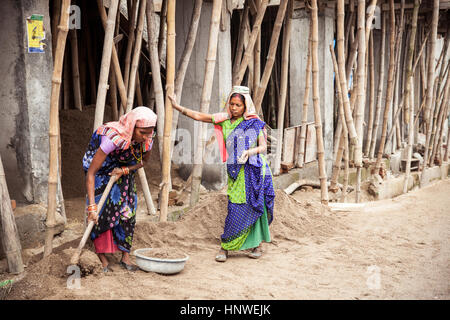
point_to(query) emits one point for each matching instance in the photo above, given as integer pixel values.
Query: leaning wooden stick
(76, 256)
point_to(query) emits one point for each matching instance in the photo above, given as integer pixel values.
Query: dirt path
(393, 249)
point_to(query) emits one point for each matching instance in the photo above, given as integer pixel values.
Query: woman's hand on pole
(118, 172)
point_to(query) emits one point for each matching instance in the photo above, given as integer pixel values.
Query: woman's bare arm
(199, 116)
(96, 164)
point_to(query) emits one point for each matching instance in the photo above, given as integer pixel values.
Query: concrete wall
(24, 101)
(214, 175)
(297, 69)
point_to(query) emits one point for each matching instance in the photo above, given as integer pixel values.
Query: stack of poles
(426, 114)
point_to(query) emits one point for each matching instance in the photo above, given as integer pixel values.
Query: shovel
(76, 256)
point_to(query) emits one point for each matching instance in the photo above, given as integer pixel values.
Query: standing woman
(117, 148)
(242, 142)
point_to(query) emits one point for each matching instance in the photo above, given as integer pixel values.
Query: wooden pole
(131, 38)
(115, 61)
(136, 55)
(75, 70)
(430, 78)
(249, 50)
(240, 43)
(162, 28)
(302, 139)
(372, 98)
(259, 94)
(10, 235)
(379, 90)
(257, 57)
(205, 99)
(316, 101)
(156, 74)
(66, 82)
(436, 99)
(76, 255)
(344, 134)
(283, 85)
(361, 93)
(170, 82)
(440, 119)
(108, 47)
(53, 176)
(390, 85)
(342, 77)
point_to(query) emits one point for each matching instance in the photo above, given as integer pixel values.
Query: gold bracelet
(184, 111)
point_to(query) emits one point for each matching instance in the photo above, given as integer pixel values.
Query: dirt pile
(204, 223)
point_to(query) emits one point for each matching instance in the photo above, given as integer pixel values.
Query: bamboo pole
(343, 139)
(53, 176)
(259, 94)
(283, 85)
(131, 93)
(437, 100)
(249, 50)
(131, 39)
(184, 62)
(205, 99)
(316, 102)
(10, 235)
(156, 74)
(398, 52)
(136, 55)
(76, 255)
(240, 43)
(430, 78)
(409, 97)
(113, 95)
(139, 99)
(170, 82)
(361, 96)
(409, 60)
(75, 70)
(257, 56)
(66, 82)
(372, 97)
(390, 85)
(162, 27)
(108, 46)
(342, 74)
(115, 61)
(302, 139)
(54, 25)
(440, 119)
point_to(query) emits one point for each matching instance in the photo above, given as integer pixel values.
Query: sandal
(128, 267)
(222, 256)
(256, 253)
(107, 269)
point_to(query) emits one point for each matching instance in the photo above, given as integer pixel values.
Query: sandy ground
(392, 249)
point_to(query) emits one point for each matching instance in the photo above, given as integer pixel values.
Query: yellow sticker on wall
(36, 33)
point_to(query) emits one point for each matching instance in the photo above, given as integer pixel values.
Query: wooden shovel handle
(76, 255)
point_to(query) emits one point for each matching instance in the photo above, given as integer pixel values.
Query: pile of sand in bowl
(164, 253)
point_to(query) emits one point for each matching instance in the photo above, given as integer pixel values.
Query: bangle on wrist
(125, 170)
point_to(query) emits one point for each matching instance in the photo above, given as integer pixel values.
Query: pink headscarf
(121, 132)
(250, 113)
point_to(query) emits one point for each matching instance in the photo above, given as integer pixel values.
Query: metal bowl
(164, 266)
